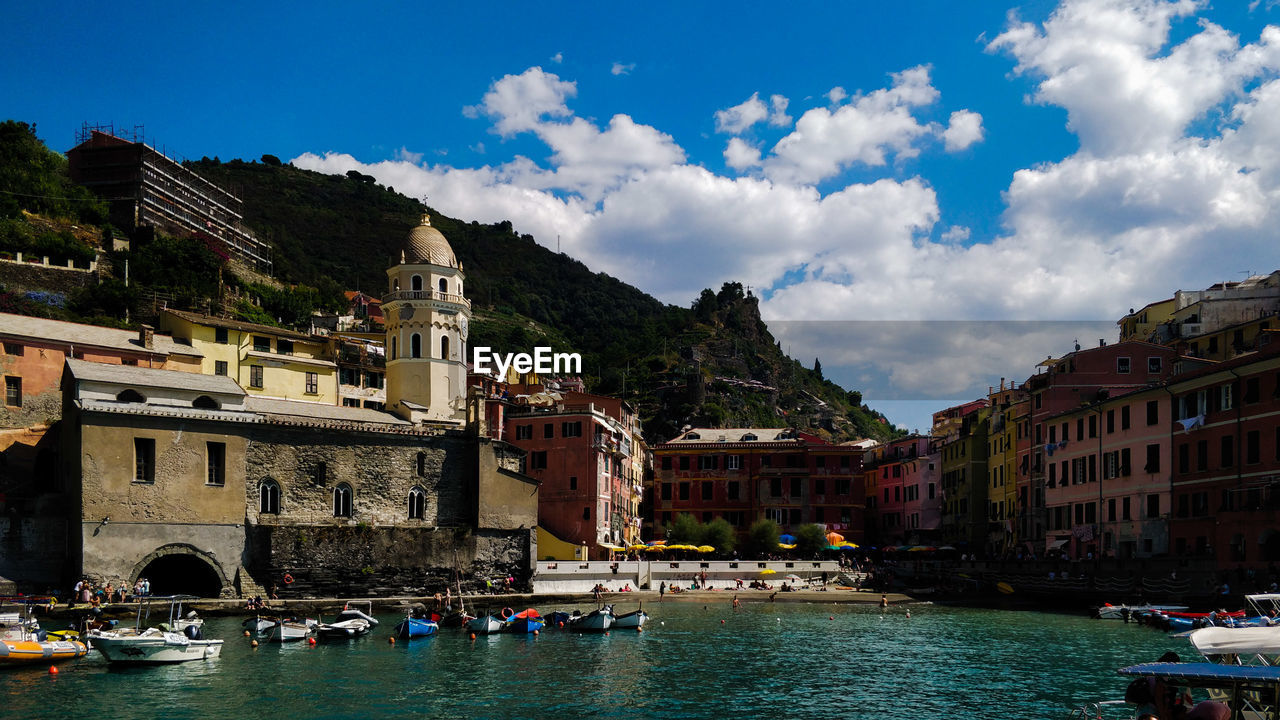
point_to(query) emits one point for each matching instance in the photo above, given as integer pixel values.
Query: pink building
(904, 495)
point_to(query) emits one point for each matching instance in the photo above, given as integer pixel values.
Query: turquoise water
(765, 660)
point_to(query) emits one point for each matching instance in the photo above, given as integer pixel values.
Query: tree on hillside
(817, 368)
(34, 178)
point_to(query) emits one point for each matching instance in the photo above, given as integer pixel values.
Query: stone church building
(189, 481)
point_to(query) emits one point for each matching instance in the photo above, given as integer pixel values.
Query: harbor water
(763, 660)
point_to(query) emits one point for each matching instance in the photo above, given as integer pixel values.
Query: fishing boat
(525, 622)
(350, 622)
(633, 620)
(558, 619)
(1247, 691)
(22, 641)
(155, 645)
(595, 621)
(1120, 612)
(416, 627)
(292, 630)
(261, 624)
(486, 625)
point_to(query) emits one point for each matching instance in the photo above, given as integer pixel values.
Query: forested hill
(712, 364)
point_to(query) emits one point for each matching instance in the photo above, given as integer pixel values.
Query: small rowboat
(631, 621)
(528, 621)
(486, 625)
(595, 621)
(412, 627)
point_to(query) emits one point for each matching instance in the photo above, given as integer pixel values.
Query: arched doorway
(181, 570)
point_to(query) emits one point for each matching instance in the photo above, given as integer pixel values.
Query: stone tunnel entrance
(181, 571)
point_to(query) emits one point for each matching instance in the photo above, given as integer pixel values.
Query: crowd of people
(88, 592)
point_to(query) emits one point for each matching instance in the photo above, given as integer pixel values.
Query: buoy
(53, 669)
(639, 628)
(391, 640)
(473, 636)
(606, 632)
(721, 622)
(246, 633)
(662, 622)
(561, 623)
(311, 641)
(831, 617)
(535, 633)
(254, 643)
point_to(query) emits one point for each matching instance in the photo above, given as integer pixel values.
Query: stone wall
(33, 551)
(21, 277)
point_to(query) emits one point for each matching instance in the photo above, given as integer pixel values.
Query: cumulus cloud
(778, 116)
(955, 234)
(965, 129)
(520, 102)
(740, 155)
(735, 119)
(622, 69)
(557, 58)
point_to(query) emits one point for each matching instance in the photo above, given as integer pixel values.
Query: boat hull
(487, 625)
(344, 629)
(416, 628)
(525, 625)
(290, 632)
(155, 649)
(594, 621)
(631, 621)
(14, 652)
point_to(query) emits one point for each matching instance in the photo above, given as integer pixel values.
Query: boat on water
(292, 630)
(350, 622)
(525, 622)
(633, 620)
(23, 641)
(558, 619)
(162, 644)
(486, 625)
(1238, 646)
(416, 627)
(1120, 612)
(261, 624)
(595, 621)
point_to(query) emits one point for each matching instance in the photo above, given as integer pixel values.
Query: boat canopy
(1237, 641)
(1206, 674)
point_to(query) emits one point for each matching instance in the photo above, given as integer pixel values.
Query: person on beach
(662, 591)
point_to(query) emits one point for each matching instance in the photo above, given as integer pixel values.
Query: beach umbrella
(768, 571)
(833, 547)
(655, 548)
(786, 547)
(848, 546)
(789, 539)
(835, 538)
(705, 548)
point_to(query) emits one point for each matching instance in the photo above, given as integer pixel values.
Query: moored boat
(156, 645)
(631, 621)
(22, 641)
(414, 627)
(1120, 612)
(350, 622)
(526, 621)
(292, 630)
(595, 621)
(485, 625)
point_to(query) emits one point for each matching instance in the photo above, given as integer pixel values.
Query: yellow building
(267, 361)
(1142, 324)
(1009, 408)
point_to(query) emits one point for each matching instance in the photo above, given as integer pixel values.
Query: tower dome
(426, 244)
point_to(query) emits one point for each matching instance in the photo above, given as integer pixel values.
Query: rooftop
(240, 325)
(152, 377)
(23, 326)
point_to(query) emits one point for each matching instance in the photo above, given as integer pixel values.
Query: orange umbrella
(835, 538)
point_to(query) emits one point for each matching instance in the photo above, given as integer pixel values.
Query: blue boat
(526, 622)
(412, 627)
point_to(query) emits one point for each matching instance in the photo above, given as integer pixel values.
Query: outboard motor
(193, 632)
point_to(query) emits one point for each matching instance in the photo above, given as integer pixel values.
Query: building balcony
(433, 295)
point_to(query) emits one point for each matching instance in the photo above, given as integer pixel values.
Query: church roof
(427, 245)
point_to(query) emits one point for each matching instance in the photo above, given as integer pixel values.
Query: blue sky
(856, 162)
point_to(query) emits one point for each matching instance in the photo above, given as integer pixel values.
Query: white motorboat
(595, 621)
(292, 630)
(156, 645)
(350, 622)
(1118, 612)
(486, 625)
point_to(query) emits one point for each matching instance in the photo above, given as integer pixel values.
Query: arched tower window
(130, 396)
(342, 501)
(417, 503)
(416, 283)
(415, 346)
(395, 285)
(393, 348)
(269, 497)
(444, 348)
(444, 286)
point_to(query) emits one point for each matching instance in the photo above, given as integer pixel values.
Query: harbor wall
(581, 577)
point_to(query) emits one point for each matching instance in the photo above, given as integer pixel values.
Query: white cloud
(519, 102)
(557, 58)
(964, 130)
(778, 116)
(740, 155)
(622, 69)
(837, 95)
(955, 234)
(735, 119)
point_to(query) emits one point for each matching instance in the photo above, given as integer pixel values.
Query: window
(1154, 365)
(1126, 511)
(420, 466)
(548, 430)
(261, 344)
(284, 347)
(220, 367)
(1251, 390)
(11, 348)
(1153, 412)
(819, 486)
(1226, 398)
(1228, 451)
(707, 490)
(13, 391)
(444, 348)
(573, 482)
(394, 355)
(775, 487)
(255, 376)
(144, 460)
(415, 283)
(666, 491)
(538, 460)
(444, 286)
(706, 462)
(269, 497)
(1153, 506)
(1124, 418)
(666, 463)
(684, 491)
(524, 432)
(342, 501)
(733, 490)
(220, 335)
(1093, 426)
(1202, 455)
(684, 462)
(1111, 510)
(733, 462)
(571, 429)
(1184, 458)
(415, 345)
(1122, 365)
(796, 487)
(216, 463)
(1252, 447)
(313, 383)
(1111, 421)
(417, 503)
(320, 473)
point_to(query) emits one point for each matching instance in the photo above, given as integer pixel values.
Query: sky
(929, 197)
